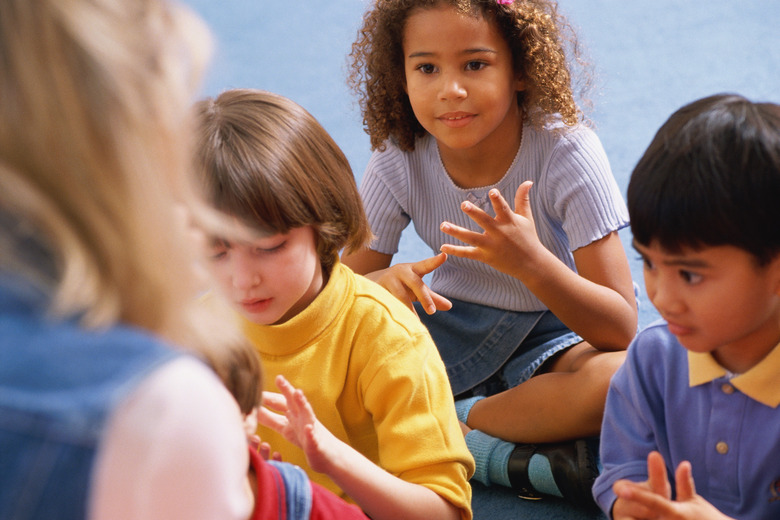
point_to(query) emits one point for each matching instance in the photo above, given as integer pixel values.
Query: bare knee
(591, 372)
(583, 356)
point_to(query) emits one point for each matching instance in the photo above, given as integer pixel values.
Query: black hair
(711, 177)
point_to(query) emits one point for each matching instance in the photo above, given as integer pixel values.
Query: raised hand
(509, 239)
(290, 414)
(405, 282)
(652, 498)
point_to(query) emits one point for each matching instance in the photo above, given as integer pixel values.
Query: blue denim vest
(58, 387)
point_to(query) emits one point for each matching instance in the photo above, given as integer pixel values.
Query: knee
(598, 371)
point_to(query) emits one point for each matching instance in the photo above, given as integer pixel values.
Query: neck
(484, 164)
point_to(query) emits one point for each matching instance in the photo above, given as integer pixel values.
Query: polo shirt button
(727, 389)
(722, 448)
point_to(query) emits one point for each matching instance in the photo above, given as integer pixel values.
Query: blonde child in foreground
(469, 102)
(103, 415)
(370, 369)
(699, 391)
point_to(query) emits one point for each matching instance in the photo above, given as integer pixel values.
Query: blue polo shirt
(688, 407)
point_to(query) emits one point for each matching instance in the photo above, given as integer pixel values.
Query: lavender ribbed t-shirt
(575, 201)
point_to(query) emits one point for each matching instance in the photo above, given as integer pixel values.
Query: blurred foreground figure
(100, 416)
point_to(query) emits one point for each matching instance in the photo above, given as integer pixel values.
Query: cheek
(649, 284)
(220, 272)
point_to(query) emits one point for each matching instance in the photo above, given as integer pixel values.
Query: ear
(774, 272)
(519, 84)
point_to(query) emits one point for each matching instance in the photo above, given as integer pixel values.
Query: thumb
(429, 265)
(523, 200)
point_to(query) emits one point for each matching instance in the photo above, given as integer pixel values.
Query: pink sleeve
(174, 449)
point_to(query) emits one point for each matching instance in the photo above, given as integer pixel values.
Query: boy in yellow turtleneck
(368, 366)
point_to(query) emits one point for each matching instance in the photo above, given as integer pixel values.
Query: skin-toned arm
(652, 498)
(404, 281)
(597, 302)
(380, 494)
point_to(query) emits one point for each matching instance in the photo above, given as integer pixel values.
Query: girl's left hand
(509, 240)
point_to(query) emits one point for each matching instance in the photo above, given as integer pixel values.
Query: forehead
(722, 256)
(444, 28)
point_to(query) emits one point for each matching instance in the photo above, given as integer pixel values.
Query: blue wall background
(650, 58)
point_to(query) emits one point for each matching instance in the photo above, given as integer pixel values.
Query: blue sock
(491, 456)
(541, 477)
(463, 407)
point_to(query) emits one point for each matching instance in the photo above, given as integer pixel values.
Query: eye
(270, 250)
(475, 65)
(426, 68)
(690, 277)
(219, 248)
(646, 263)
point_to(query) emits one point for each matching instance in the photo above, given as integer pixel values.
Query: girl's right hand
(290, 414)
(405, 282)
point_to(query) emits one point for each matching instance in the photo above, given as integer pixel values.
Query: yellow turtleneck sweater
(373, 375)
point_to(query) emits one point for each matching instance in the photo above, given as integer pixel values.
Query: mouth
(677, 329)
(255, 305)
(456, 119)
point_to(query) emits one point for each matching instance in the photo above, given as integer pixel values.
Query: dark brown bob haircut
(268, 162)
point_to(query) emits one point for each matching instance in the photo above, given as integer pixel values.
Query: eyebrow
(479, 50)
(675, 261)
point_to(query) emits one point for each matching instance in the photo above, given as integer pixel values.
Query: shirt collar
(761, 383)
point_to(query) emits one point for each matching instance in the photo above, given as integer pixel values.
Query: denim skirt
(487, 350)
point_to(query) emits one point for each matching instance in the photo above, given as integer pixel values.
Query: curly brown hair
(538, 35)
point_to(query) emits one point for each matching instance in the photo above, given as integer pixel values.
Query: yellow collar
(761, 383)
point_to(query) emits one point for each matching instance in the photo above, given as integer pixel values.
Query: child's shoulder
(391, 162)
(376, 307)
(376, 298)
(654, 343)
(556, 132)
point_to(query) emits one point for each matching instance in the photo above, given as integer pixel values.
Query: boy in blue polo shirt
(697, 398)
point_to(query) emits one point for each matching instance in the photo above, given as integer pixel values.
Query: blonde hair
(544, 51)
(95, 155)
(267, 161)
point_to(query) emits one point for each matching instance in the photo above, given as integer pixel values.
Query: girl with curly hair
(466, 100)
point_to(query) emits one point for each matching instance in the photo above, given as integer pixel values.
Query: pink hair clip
(504, 2)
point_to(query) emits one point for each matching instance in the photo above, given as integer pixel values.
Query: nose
(452, 87)
(245, 275)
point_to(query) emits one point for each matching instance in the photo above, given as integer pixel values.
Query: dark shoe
(574, 468)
